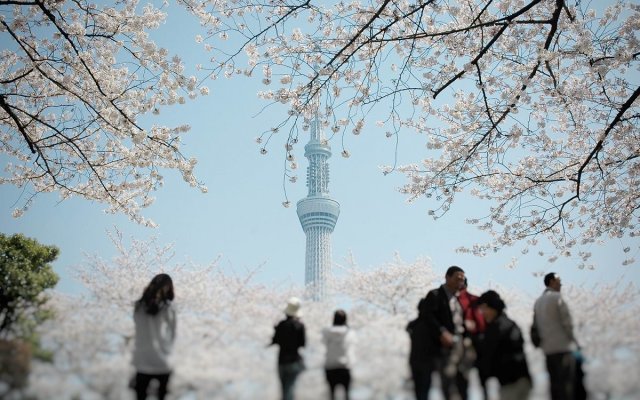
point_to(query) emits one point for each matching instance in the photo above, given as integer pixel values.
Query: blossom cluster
(75, 80)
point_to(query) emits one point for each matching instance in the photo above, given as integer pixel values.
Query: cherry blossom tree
(226, 320)
(531, 106)
(611, 353)
(75, 80)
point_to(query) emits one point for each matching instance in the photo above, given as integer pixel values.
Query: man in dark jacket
(444, 329)
(502, 350)
(290, 336)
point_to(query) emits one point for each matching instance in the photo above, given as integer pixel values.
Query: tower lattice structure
(318, 213)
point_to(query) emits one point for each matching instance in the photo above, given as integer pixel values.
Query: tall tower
(318, 213)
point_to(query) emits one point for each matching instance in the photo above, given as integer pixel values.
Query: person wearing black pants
(443, 335)
(339, 341)
(155, 331)
(144, 380)
(420, 363)
(555, 327)
(338, 377)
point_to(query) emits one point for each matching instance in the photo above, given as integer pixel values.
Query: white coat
(339, 342)
(154, 339)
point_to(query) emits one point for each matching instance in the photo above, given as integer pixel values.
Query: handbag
(534, 334)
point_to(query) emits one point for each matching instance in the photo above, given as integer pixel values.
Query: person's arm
(166, 328)
(351, 344)
(565, 318)
(276, 336)
(432, 308)
(172, 324)
(489, 346)
(515, 338)
(303, 340)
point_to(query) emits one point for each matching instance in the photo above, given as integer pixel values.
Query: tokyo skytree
(318, 213)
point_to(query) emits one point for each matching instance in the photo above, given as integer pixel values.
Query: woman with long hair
(155, 324)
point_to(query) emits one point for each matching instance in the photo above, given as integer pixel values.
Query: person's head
(491, 305)
(454, 278)
(293, 308)
(157, 292)
(552, 281)
(339, 318)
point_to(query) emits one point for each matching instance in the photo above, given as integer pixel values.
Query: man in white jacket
(553, 320)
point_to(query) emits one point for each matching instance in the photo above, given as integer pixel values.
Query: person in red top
(475, 326)
(473, 319)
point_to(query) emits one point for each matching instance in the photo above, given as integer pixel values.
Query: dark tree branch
(600, 144)
(16, 120)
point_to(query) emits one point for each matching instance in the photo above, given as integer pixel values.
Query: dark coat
(434, 316)
(502, 351)
(438, 318)
(290, 336)
(419, 336)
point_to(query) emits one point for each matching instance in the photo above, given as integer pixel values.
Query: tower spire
(318, 212)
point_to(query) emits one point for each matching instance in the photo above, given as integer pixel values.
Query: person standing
(502, 349)
(444, 320)
(421, 363)
(553, 321)
(339, 341)
(475, 326)
(155, 333)
(473, 319)
(290, 336)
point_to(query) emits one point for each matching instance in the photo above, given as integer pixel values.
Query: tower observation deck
(318, 213)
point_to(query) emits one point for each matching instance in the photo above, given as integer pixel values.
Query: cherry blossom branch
(600, 143)
(18, 123)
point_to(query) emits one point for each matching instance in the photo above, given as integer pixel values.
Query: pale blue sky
(242, 219)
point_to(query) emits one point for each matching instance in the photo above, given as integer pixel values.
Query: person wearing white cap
(290, 336)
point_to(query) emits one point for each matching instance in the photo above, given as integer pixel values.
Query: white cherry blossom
(530, 106)
(76, 77)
